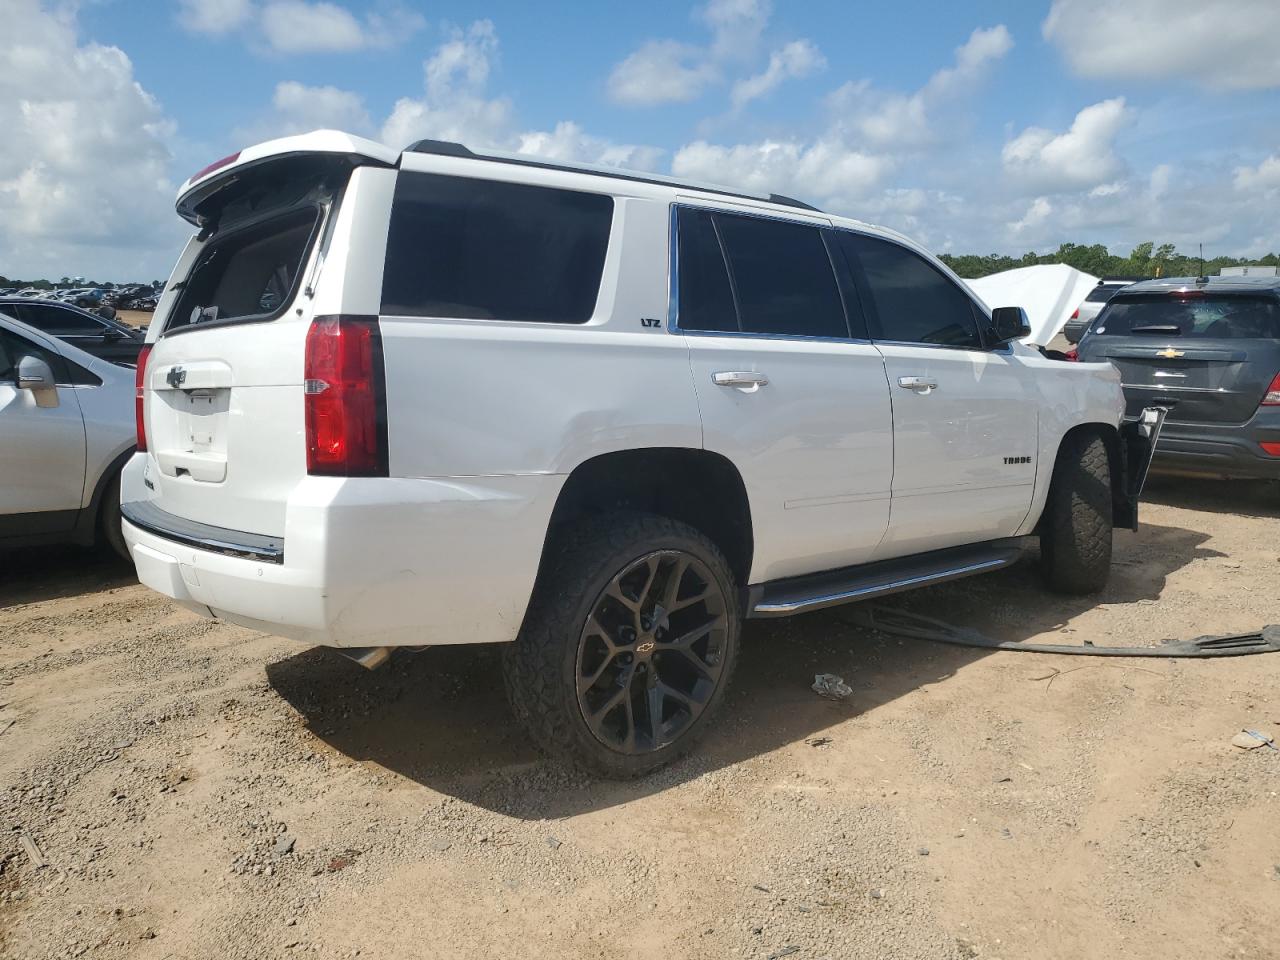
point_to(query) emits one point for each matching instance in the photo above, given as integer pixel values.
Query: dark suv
(99, 336)
(1209, 350)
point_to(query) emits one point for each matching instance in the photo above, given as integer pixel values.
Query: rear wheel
(1075, 530)
(109, 519)
(628, 644)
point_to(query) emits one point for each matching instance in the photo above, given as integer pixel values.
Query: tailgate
(1198, 384)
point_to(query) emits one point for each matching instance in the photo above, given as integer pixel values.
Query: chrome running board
(815, 591)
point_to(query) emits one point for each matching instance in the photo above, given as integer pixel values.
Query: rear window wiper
(1157, 328)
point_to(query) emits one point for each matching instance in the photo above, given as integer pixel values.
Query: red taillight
(345, 398)
(139, 380)
(1075, 314)
(1073, 355)
(1271, 449)
(1272, 397)
(216, 165)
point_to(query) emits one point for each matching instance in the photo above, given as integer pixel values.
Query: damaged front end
(1138, 439)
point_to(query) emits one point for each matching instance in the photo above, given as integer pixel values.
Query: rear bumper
(1231, 451)
(366, 562)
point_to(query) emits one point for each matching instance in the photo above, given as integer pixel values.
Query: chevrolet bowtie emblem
(1170, 353)
(176, 377)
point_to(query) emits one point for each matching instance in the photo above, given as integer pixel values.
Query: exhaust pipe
(371, 658)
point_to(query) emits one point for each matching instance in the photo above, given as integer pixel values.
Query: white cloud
(1083, 156)
(1036, 215)
(454, 105)
(84, 185)
(797, 59)
(823, 170)
(300, 26)
(305, 108)
(214, 16)
(1265, 177)
(669, 71)
(568, 143)
(901, 120)
(736, 26)
(1222, 44)
(661, 71)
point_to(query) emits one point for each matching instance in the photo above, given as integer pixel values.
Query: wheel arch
(86, 529)
(695, 486)
(1123, 512)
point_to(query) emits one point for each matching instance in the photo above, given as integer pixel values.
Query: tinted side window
(783, 277)
(59, 321)
(486, 250)
(705, 298)
(13, 348)
(913, 302)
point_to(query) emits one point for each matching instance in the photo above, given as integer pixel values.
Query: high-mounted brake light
(139, 382)
(1272, 397)
(216, 165)
(344, 396)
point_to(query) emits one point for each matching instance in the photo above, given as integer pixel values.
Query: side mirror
(1009, 323)
(35, 375)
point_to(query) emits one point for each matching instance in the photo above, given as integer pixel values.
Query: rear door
(965, 417)
(224, 379)
(76, 327)
(1207, 356)
(788, 386)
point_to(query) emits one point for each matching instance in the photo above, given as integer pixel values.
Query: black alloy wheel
(652, 652)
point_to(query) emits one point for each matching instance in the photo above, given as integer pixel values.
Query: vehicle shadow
(440, 718)
(34, 574)
(1244, 498)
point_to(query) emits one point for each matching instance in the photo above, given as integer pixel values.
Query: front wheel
(1075, 530)
(628, 645)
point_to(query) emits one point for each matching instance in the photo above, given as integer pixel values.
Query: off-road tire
(539, 669)
(1075, 529)
(109, 530)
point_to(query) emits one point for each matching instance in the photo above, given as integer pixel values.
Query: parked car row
(90, 332)
(131, 297)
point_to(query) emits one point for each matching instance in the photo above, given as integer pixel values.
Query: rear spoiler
(193, 202)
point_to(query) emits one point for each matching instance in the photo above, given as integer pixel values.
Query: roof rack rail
(447, 148)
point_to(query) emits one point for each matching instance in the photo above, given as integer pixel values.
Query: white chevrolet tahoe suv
(436, 397)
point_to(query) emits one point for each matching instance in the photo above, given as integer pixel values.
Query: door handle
(748, 379)
(921, 385)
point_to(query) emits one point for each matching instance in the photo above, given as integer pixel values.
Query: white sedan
(67, 428)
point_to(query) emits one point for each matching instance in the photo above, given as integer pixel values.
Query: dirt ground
(198, 790)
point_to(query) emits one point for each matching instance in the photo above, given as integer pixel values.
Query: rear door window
(1196, 315)
(59, 321)
(705, 300)
(249, 274)
(487, 250)
(783, 277)
(913, 301)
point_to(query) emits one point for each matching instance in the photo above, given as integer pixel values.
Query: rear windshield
(1102, 294)
(249, 274)
(488, 250)
(1202, 316)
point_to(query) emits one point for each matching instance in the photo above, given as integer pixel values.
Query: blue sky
(1001, 126)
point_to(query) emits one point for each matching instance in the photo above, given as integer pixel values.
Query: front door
(42, 468)
(786, 389)
(965, 420)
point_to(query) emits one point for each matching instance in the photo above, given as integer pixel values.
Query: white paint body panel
(814, 446)
(951, 484)
(488, 418)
